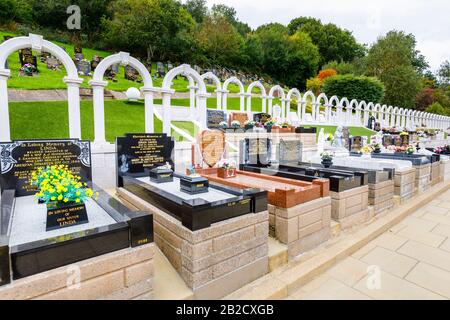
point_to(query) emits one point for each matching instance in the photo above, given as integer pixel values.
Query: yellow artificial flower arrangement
(366, 149)
(57, 184)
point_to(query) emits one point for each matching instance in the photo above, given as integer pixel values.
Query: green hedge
(354, 87)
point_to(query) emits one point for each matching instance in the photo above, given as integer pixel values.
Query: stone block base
(122, 275)
(349, 203)
(445, 169)
(422, 181)
(404, 184)
(381, 196)
(355, 219)
(217, 260)
(435, 173)
(302, 227)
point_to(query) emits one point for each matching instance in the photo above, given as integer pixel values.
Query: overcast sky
(428, 20)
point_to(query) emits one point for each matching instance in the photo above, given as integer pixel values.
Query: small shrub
(314, 85)
(354, 87)
(326, 73)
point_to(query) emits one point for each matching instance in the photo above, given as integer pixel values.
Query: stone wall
(404, 184)
(381, 196)
(350, 207)
(435, 174)
(125, 274)
(302, 227)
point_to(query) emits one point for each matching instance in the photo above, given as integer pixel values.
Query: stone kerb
(381, 196)
(404, 184)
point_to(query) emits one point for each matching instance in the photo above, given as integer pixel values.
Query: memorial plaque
(24, 52)
(139, 153)
(131, 73)
(95, 61)
(77, 49)
(238, 116)
(66, 216)
(20, 158)
(404, 139)
(356, 144)
(261, 117)
(214, 118)
(212, 146)
(84, 67)
(79, 56)
(387, 140)
(258, 151)
(290, 151)
(52, 63)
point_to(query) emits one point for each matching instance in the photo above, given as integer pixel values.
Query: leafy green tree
(437, 108)
(8, 11)
(197, 9)
(229, 13)
(220, 41)
(158, 29)
(333, 42)
(444, 73)
(394, 60)
(291, 59)
(252, 54)
(364, 88)
(340, 67)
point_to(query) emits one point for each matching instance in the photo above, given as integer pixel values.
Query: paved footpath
(410, 261)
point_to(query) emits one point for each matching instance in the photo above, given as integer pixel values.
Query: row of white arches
(323, 110)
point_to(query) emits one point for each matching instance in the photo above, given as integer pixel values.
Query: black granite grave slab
(305, 130)
(415, 159)
(19, 259)
(197, 213)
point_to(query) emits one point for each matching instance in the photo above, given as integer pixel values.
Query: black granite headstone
(138, 153)
(214, 118)
(20, 158)
(84, 67)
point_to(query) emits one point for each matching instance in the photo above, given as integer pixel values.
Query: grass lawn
(354, 131)
(49, 120)
(49, 79)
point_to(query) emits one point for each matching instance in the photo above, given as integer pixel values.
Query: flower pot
(268, 128)
(62, 215)
(248, 127)
(327, 163)
(377, 150)
(226, 173)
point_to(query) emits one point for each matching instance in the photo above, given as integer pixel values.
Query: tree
(290, 59)
(8, 11)
(220, 41)
(393, 60)
(437, 108)
(333, 42)
(352, 87)
(229, 13)
(252, 54)
(158, 29)
(424, 99)
(340, 67)
(444, 73)
(197, 9)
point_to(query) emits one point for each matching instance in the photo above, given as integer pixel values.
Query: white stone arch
(383, 116)
(242, 93)
(414, 118)
(342, 116)
(405, 117)
(294, 92)
(353, 106)
(361, 107)
(98, 85)
(280, 90)
(323, 99)
(37, 43)
(376, 112)
(219, 90)
(368, 112)
(167, 93)
(334, 102)
(400, 117)
(263, 95)
(306, 95)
